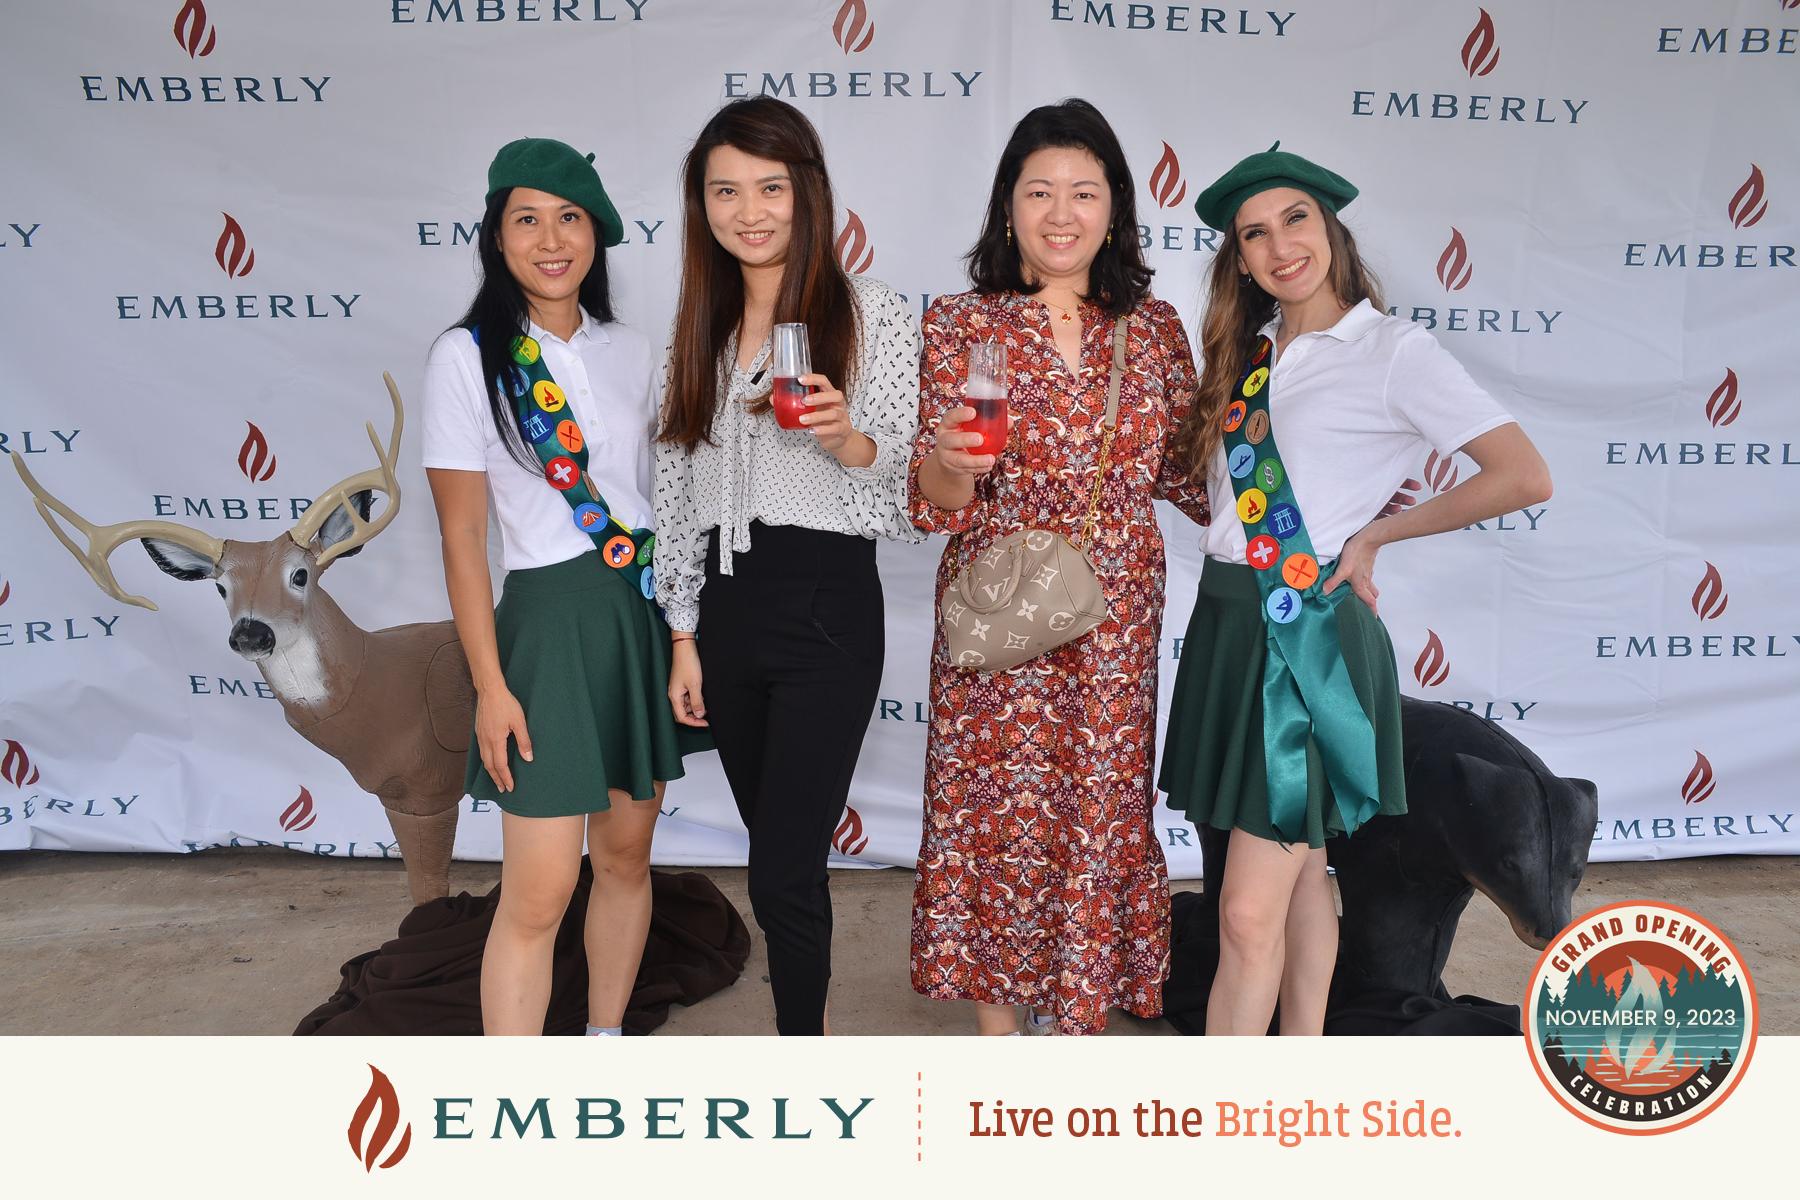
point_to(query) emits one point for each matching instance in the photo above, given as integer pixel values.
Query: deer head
(268, 586)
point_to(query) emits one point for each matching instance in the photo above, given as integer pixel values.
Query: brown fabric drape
(427, 980)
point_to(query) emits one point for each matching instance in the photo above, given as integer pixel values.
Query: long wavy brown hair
(1236, 310)
(814, 288)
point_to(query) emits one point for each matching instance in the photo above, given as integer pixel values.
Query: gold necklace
(1067, 315)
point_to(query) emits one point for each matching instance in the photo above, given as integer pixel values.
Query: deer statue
(395, 706)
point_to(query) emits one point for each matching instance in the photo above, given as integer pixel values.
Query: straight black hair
(498, 314)
(1118, 280)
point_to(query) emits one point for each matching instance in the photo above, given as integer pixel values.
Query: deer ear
(179, 561)
(338, 526)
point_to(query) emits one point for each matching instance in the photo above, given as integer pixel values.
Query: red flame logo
(16, 767)
(5, 591)
(1432, 666)
(1166, 183)
(192, 32)
(1699, 783)
(1481, 49)
(853, 29)
(849, 838)
(1453, 268)
(1722, 407)
(380, 1095)
(1710, 597)
(299, 816)
(1440, 472)
(1748, 205)
(853, 248)
(254, 459)
(234, 254)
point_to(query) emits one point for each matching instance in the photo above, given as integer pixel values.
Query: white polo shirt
(605, 371)
(1355, 409)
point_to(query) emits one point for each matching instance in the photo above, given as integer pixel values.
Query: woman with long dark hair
(1041, 883)
(540, 401)
(1285, 723)
(766, 550)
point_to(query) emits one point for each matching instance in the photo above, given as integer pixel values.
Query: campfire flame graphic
(1481, 50)
(1699, 783)
(1453, 267)
(1441, 472)
(16, 766)
(233, 252)
(380, 1095)
(853, 29)
(299, 816)
(254, 459)
(1748, 204)
(854, 250)
(1432, 666)
(1166, 183)
(849, 838)
(1710, 597)
(1722, 407)
(5, 591)
(192, 32)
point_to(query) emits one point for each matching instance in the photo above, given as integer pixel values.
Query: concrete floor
(248, 941)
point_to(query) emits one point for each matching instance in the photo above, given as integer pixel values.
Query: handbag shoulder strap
(1111, 423)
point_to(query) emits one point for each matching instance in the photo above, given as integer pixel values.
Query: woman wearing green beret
(769, 533)
(539, 401)
(1285, 724)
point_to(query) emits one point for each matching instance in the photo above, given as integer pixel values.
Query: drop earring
(1009, 233)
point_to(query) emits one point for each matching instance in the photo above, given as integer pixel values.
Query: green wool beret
(558, 168)
(1273, 168)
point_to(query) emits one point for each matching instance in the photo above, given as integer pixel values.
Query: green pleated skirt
(1213, 766)
(588, 659)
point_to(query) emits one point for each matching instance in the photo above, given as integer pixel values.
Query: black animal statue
(1483, 814)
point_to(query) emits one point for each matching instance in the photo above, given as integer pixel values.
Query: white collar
(1357, 320)
(589, 329)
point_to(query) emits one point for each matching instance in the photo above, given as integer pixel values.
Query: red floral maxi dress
(1040, 877)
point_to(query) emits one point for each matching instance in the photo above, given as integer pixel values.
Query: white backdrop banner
(221, 221)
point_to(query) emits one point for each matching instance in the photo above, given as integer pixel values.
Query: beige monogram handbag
(1031, 591)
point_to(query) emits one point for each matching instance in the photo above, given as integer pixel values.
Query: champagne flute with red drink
(985, 392)
(793, 358)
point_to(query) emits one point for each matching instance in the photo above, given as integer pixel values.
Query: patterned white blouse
(754, 470)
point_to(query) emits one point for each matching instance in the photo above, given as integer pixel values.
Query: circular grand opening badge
(1640, 1017)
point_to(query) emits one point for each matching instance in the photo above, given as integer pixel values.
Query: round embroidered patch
(1254, 383)
(1234, 415)
(1263, 552)
(590, 518)
(1283, 605)
(525, 351)
(618, 551)
(1252, 505)
(562, 473)
(549, 397)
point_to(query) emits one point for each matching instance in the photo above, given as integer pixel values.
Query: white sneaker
(1036, 1026)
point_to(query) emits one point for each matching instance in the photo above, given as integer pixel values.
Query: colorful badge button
(568, 436)
(1263, 552)
(647, 584)
(1234, 415)
(1253, 383)
(548, 396)
(537, 428)
(516, 382)
(590, 518)
(1252, 505)
(1258, 427)
(645, 550)
(1262, 352)
(618, 551)
(562, 473)
(1300, 570)
(1283, 605)
(1284, 520)
(525, 351)
(1240, 461)
(1269, 475)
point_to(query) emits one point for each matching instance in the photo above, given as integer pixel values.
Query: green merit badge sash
(549, 427)
(1306, 687)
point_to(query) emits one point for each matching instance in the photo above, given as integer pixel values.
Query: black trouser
(790, 647)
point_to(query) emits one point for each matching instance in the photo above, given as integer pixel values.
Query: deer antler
(104, 539)
(382, 479)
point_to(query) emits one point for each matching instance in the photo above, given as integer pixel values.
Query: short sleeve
(456, 422)
(1429, 392)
